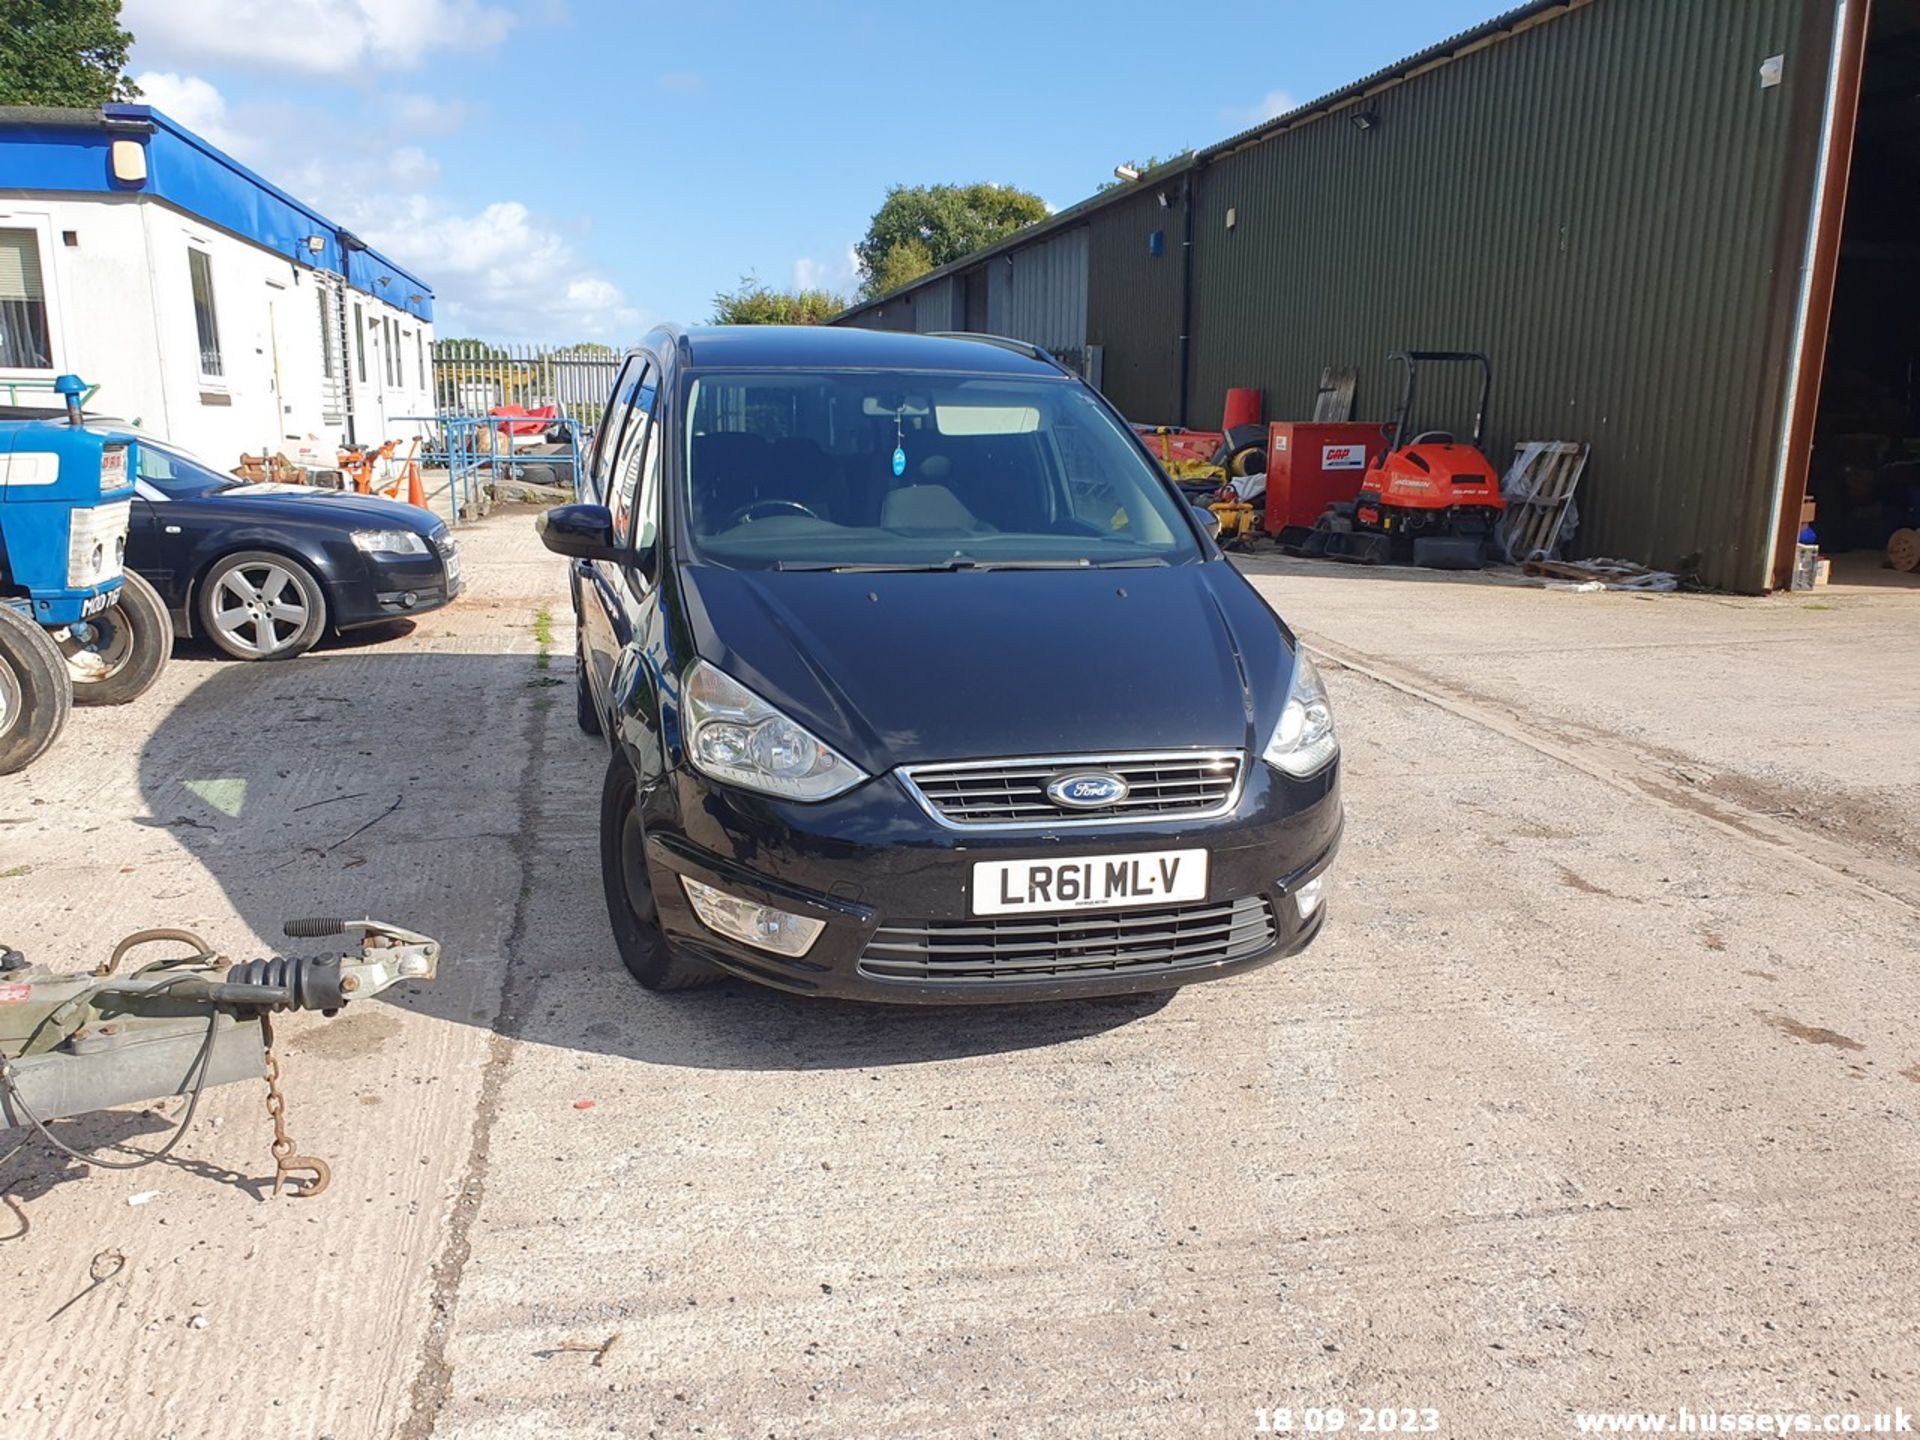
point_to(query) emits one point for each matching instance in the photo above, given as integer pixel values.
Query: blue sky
(579, 169)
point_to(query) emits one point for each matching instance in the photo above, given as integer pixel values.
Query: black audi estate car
(922, 683)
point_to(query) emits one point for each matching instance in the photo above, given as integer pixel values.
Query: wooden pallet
(1539, 487)
(1334, 399)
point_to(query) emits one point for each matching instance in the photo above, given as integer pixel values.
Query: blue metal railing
(477, 450)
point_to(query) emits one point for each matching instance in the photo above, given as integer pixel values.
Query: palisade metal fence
(474, 377)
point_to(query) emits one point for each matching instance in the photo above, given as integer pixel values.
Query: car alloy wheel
(257, 605)
(253, 610)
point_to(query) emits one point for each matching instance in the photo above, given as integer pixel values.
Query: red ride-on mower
(1427, 498)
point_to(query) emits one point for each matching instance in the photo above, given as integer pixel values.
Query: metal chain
(284, 1160)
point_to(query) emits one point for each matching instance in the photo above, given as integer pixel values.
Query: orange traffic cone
(416, 493)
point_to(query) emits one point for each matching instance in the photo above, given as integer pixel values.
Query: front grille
(1171, 785)
(1041, 948)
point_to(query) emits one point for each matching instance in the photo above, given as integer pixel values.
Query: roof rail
(1005, 342)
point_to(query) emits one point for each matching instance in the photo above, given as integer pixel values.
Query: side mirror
(581, 532)
(1209, 521)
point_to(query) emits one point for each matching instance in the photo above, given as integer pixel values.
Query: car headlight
(735, 736)
(1303, 742)
(390, 542)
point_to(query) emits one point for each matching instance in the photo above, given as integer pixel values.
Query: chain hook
(285, 1162)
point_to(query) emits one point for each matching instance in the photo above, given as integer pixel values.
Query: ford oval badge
(1087, 790)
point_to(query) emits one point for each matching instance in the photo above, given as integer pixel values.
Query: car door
(162, 532)
(605, 623)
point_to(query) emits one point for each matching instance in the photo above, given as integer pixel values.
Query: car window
(606, 439)
(628, 459)
(815, 469)
(175, 475)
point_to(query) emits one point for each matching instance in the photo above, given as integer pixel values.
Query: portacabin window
(24, 343)
(206, 322)
(329, 365)
(420, 359)
(360, 342)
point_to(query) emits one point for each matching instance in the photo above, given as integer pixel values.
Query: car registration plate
(1088, 882)
(452, 563)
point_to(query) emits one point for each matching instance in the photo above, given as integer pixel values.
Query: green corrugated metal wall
(1133, 303)
(1603, 204)
(1606, 201)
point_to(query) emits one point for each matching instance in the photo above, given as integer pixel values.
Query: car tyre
(36, 692)
(644, 949)
(261, 605)
(126, 648)
(584, 713)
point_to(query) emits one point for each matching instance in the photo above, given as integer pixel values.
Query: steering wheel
(1437, 437)
(747, 514)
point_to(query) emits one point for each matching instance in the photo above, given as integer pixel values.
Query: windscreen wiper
(964, 562)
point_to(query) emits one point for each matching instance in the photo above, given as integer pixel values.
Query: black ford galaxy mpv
(922, 683)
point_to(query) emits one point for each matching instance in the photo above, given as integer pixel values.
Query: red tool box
(1311, 464)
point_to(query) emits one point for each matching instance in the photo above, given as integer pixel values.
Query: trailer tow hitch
(72, 1043)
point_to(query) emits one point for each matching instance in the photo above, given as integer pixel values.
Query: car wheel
(256, 605)
(584, 713)
(36, 692)
(114, 657)
(623, 871)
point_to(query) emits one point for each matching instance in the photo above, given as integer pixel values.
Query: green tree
(63, 52)
(919, 228)
(753, 302)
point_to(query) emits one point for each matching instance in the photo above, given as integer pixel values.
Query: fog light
(410, 599)
(751, 923)
(1307, 897)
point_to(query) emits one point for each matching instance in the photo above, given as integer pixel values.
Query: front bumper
(396, 586)
(873, 860)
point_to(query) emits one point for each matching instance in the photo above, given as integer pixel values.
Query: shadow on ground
(360, 781)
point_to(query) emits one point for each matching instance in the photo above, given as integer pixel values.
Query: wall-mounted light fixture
(417, 298)
(129, 161)
(1365, 119)
(1125, 172)
(386, 280)
(316, 243)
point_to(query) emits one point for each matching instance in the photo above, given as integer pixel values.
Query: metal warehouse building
(1664, 220)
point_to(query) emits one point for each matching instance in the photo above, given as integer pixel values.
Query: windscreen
(903, 470)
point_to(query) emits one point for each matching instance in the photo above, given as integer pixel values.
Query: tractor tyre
(124, 648)
(36, 693)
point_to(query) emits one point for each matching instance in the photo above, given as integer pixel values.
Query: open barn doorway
(1864, 476)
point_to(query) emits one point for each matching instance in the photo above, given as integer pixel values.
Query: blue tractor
(75, 626)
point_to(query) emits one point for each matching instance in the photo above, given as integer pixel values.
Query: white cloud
(502, 271)
(837, 273)
(423, 115)
(1273, 103)
(682, 82)
(196, 104)
(325, 37)
(412, 167)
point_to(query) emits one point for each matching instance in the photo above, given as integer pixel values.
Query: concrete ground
(1599, 1092)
